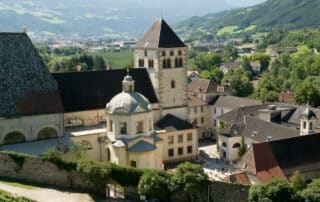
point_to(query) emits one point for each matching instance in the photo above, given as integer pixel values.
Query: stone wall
(225, 192)
(37, 170)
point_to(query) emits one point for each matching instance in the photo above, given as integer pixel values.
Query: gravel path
(47, 194)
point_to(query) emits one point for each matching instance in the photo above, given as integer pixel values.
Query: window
(141, 62)
(176, 62)
(180, 62)
(110, 126)
(133, 164)
(215, 123)
(214, 110)
(139, 127)
(170, 152)
(123, 128)
(164, 64)
(145, 53)
(173, 84)
(180, 138)
(179, 52)
(171, 53)
(189, 149)
(170, 140)
(201, 108)
(310, 126)
(304, 125)
(202, 120)
(150, 124)
(163, 53)
(168, 63)
(180, 151)
(236, 145)
(150, 63)
(189, 136)
(195, 110)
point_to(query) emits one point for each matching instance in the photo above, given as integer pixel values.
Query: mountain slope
(289, 14)
(98, 17)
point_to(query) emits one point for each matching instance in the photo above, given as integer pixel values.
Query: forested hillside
(284, 14)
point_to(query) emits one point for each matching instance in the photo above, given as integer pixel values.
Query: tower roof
(160, 35)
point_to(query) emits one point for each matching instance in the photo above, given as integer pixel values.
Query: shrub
(126, 175)
(312, 192)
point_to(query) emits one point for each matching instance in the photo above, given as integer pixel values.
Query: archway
(14, 137)
(47, 133)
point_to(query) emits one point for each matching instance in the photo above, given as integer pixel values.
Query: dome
(128, 102)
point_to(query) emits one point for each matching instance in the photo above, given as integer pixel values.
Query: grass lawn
(8, 197)
(117, 59)
(227, 30)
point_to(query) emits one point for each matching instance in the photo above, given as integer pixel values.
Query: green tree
(306, 92)
(312, 192)
(155, 184)
(240, 83)
(231, 53)
(276, 191)
(297, 181)
(98, 63)
(216, 75)
(263, 58)
(267, 90)
(206, 61)
(189, 179)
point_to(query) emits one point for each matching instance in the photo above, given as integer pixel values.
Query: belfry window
(141, 62)
(150, 63)
(168, 63)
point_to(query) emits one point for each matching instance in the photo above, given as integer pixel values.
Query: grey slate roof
(94, 89)
(202, 85)
(233, 102)
(160, 35)
(172, 123)
(142, 146)
(26, 86)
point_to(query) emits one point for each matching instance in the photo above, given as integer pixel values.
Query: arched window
(47, 133)
(236, 145)
(180, 62)
(14, 137)
(141, 62)
(74, 121)
(176, 62)
(168, 63)
(304, 125)
(150, 63)
(164, 63)
(224, 144)
(86, 145)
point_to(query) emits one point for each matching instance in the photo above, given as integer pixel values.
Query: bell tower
(308, 121)
(165, 56)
